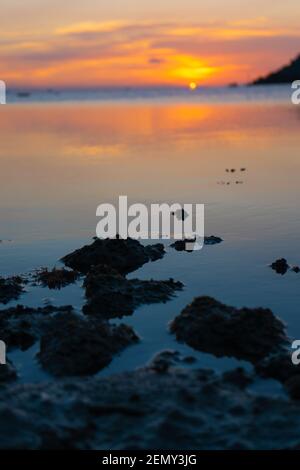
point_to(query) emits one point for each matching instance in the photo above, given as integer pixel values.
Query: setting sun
(193, 86)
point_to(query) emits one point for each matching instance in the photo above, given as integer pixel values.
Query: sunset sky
(90, 43)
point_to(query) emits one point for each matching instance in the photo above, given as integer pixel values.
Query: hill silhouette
(286, 74)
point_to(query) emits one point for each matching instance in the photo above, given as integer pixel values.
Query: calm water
(59, 161)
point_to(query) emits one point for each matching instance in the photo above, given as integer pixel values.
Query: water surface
(60, 160)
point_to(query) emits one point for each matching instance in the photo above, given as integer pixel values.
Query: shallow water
(60, 161)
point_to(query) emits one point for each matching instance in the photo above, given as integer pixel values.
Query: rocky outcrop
(8, 373)
(187, 243)
(10, 288)
(22, 326)
(210, 326)
(55, 278)
(286, 74)
(110, 294)
(254, 335)
(72, 345)
(146, 409)
(280, 266)
(123, 255)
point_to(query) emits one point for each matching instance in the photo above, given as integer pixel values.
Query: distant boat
(233, 85)
(23, 94)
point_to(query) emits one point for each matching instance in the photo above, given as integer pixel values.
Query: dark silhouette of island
(286, 74)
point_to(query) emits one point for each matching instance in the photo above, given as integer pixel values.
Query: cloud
(144, 53)
(90, 27)
(155, 61)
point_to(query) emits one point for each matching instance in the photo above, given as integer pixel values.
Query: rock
(164, 360)
(69, 344)
(167, 359)
(238, 377)
(110, 294)
(74, 346)
(56, 278)
(296, 269)
(287, 74)
(280, 266)
(183, 245)
(144, 409)
(10, 288)
(189, 359)
(212, 240)
(8, 373)
(123, 255)
(293, 387)
(277, 365)
(22, 326)
(210, 326)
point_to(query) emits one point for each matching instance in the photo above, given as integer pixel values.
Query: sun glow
(193, 86)
(124, 52)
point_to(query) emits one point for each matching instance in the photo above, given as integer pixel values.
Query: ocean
(63, 153)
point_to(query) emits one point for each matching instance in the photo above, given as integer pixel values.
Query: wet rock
(164, 360)
(167, 359)
(8, 373)
(296, 269)
(186, 244)
(238, 377)
(212, 240)
(280, 266)
(74, 346)
(278, 365)
(10, 288)
(146, 410)
(69, 344)
(110, 294)
(123, 255)
(21, 326)
(55, 278)
(293, 387)
(210, 326)
(189, 359)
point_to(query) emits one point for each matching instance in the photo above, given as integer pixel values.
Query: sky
(93, 43)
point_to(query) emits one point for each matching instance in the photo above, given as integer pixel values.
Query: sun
(192, 86)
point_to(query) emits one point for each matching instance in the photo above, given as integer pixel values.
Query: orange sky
(82, 44)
